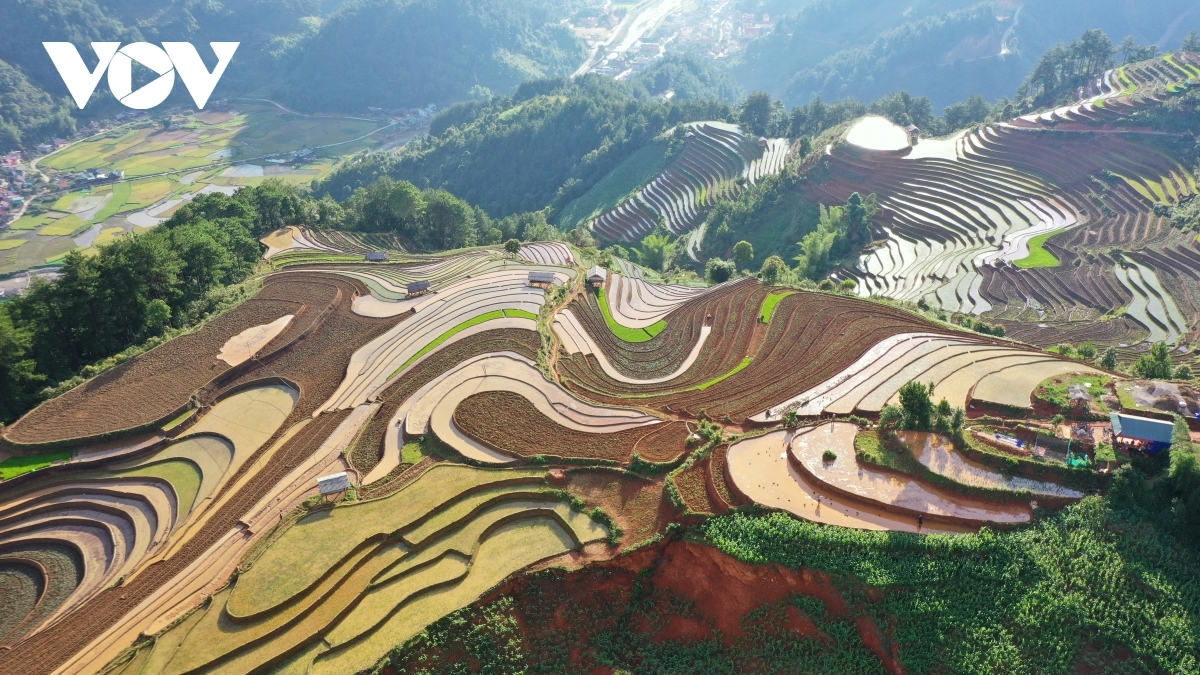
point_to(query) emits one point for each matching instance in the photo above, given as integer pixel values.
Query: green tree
(1086, 350)
(275, 204)
(18, 377)
(825, 246)
(743, 253)
(1155, 365)
(449, 222)
(974, 110)
(388, 206)
(1108, 360)
(1133, 52)
(1183, 372)
(656, 251)
(773, 269)
(512, 247)
(859, 212)
(719, 271)
(891, 417)
(755, 114)
(327, 214)
(1191, 43)
(918, 406)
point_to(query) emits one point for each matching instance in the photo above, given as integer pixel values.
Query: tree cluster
(841, 233)
(918, 412)
(1156, 365)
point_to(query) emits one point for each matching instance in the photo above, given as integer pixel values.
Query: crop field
(1019, 221)
(717, 160)
(252, 131)
(498, 435)
(166, 166)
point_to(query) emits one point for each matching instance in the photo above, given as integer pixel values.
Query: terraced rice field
(341, 587)
(717, 161)
(189, 512)
(760, 471)
(940, 457)
(959, 216)
(846, 476)
(112, 517)
(962, 370)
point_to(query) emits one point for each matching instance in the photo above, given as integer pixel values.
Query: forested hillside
(27, 111)
(943, 49)
(545, 145)
(391, 54)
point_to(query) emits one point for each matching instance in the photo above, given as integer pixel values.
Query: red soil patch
(675, 592)
(691, 483)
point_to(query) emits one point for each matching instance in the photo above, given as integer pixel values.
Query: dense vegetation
(545, 145)
(1099, 586)
(134, 289)
(395, 54)
(685, 76)
(28, 112)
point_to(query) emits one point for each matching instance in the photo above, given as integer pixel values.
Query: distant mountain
(316, 55)
(943, 49)
(390, 53)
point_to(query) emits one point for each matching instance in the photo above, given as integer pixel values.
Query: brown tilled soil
(152, 386)
(368, 449)
(511, 424)
(732, 311)
(717, 463)
(679, 592)
(316, 364)
(838, 328)
(638, 505)
(698, 490)
(690, 483)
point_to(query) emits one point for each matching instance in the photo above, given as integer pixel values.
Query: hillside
(392, 54)
(887, 367)
(944, 50)
(328, 57)
(551, 141)
(994, 221)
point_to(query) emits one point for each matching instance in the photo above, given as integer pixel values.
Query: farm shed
(333, 483)
(377, 256)
(542, 279)
(1149, 434)
(596, 277)
(914, 134)
(418, 288)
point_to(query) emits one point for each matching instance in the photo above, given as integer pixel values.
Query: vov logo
(171, 58)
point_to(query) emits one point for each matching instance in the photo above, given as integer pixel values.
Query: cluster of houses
(13, 187)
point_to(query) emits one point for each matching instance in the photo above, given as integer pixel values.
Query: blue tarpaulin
(1131, 427)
